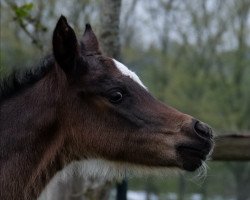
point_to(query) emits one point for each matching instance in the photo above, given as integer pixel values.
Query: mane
(21, 79)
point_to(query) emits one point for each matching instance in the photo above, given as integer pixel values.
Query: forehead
(127, 72)
(105, 65)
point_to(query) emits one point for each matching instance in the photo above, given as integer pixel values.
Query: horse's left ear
(89, 42)
(65, 45)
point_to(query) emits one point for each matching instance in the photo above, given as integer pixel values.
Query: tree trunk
(109, 28)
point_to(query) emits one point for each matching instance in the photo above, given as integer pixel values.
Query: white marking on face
(124, 70)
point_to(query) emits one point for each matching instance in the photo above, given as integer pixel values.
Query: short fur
(80, 107)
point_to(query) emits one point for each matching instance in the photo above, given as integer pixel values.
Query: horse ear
(89, 41)
(65, 45)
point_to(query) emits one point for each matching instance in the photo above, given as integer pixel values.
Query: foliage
(23, 11)
(195, 57)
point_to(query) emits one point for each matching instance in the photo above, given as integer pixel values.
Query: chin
(193, 156)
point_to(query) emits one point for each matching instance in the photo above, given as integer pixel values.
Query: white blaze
(124, 70)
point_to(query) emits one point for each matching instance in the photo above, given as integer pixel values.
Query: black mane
(21, 79)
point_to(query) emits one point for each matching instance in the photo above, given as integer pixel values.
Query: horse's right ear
(65, 45)
(89, 41)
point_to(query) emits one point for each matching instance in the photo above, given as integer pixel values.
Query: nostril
(203, 130)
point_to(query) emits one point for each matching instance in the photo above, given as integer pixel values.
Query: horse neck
(30, 141)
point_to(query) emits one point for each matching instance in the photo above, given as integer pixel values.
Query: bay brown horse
(79, 105)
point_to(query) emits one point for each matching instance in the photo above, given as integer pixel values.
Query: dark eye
(115, 97)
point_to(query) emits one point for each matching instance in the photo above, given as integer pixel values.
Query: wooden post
(232, 148)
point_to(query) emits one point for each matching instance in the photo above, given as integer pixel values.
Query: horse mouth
(192, 155)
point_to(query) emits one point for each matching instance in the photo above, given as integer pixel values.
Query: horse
(79, 105)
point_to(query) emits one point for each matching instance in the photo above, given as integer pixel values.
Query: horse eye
(115, 97)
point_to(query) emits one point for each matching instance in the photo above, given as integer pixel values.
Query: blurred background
(192, 54)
